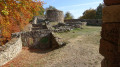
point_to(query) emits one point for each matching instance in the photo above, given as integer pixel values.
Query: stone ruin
(55, 16)
(39, 36)
(109, 44)
(38, 19)
(90, 22)
(64, 27)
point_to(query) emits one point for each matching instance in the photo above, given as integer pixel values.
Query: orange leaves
(15, 14)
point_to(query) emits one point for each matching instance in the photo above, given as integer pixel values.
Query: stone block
(111, 32)
(107, 49)
(111, 2)
(111, 13)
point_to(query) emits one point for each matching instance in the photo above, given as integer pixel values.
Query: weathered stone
(111, 2)
(108, 49)
(10, 50)
(36, 28)
(36, 25)
(55, 41)
(93, 22)
(55, 15)
(111, 32)
(111, 13)
(38, 19)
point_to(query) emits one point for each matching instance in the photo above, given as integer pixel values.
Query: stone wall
(55, 16)
(35, 39)
(42, 39)
(38, 19)
(10, 50)
(110, 41)
(77, 23)
(39, 26)
(92, 22)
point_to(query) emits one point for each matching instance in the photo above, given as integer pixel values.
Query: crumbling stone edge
(10, 50)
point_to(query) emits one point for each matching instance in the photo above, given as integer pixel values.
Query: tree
(51, 8)
(99, 11)
(89, 14)
(15, 14)
(68, 15)
(42, 10)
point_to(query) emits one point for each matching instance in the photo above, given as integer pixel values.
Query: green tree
(89, 14)
(51, 8)
(68, 15)
(99, 11)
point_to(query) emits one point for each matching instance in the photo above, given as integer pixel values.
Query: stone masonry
(34, 39)
(10, 50)
(110, 41)
(55, 15)
(91, 22)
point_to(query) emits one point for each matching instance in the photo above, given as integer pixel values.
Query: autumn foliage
(15, 14)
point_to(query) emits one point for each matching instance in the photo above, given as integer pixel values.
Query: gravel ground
(81, 51)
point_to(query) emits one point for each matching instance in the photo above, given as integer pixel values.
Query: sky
(75, 7)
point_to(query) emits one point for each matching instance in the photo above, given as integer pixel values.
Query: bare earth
(81, 51)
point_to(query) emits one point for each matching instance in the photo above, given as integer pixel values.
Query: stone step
(36, 25)
(36, 28)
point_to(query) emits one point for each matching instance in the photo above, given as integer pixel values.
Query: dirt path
(80, 52)
(77, 53)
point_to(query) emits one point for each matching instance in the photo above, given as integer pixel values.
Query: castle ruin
(55, 16)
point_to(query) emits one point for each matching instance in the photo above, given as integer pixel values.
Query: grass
(91, 32)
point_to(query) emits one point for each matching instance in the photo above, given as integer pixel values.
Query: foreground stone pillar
(110, 41)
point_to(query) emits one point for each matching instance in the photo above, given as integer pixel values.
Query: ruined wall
(39, 26)
(110, 41)
(42, 39)
(92, 22)
(55, 16)
(38, 19)
(10, 50)
(35, 39)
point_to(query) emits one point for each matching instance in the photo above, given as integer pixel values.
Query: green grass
(91, 32)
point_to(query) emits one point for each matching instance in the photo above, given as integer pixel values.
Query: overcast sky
(76, 7)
